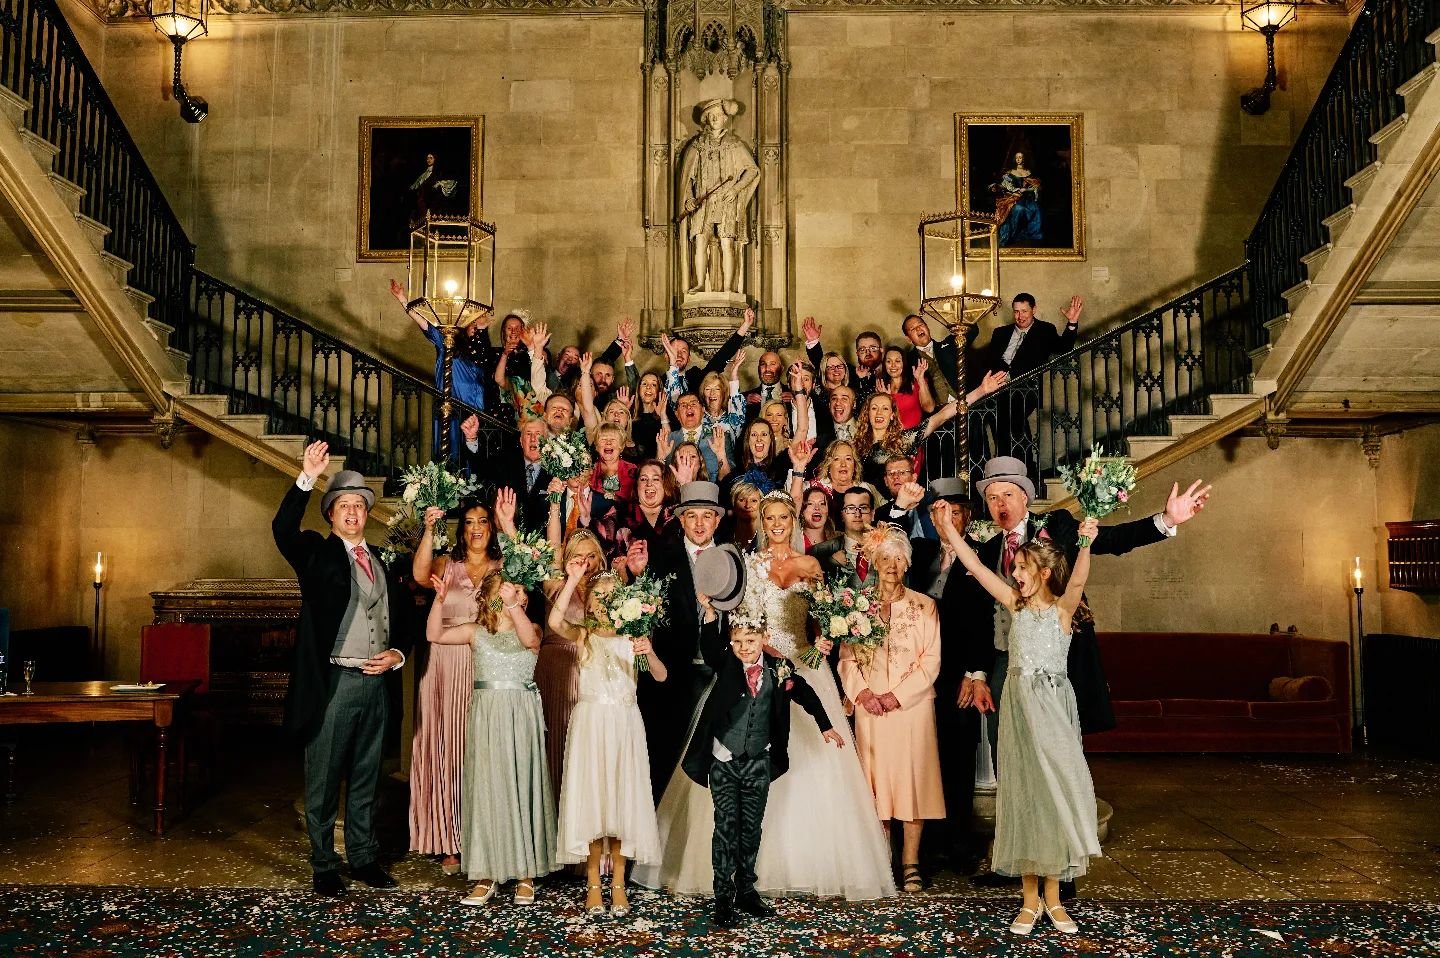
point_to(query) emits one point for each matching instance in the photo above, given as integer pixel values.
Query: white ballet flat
(1064, 926)
(1018, 927)
(475, 900)
(524, 885)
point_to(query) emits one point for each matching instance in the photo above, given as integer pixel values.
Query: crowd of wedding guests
(545, 739)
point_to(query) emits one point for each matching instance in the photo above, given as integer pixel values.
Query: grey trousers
(347, 747)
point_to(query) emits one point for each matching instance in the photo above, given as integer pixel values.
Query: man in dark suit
(741, 744)
(931, 560)
(768, 369)
(980, 627)
(517, 468)
(841, 555)
(667, 706)
(1017, 348)
(869, 355)
(909, 504)
(942, 356)
(349, 637)
(679, 352)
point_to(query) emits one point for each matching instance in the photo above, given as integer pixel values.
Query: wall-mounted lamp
(1265, 17)
(1357, 663)
(97, 641)
(181, 21)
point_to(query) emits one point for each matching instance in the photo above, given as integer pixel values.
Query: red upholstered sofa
(1210, 692)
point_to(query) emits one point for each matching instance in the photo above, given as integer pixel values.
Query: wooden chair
(178, 652)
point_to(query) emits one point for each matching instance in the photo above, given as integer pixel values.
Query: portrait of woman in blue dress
(1017, 203)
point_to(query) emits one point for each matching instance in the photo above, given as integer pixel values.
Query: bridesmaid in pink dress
(443, 708)
(894, 694)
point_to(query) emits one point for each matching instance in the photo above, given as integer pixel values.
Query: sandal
(483, 891)
(525, 891)
(619, 901)
(911, 879)
(593, 894)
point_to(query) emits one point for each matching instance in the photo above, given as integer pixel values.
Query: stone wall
(267, 185)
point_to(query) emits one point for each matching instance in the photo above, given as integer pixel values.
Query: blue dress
(466, 384)
(1023, 223)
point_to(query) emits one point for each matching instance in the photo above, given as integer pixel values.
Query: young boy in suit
(741, 745)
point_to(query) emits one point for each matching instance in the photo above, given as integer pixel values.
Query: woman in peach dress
(893, 694)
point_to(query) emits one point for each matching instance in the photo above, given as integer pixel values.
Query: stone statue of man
(718, 176)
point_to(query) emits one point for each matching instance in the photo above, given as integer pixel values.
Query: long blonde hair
(1044, 554)
(588, 626)
(487, 602)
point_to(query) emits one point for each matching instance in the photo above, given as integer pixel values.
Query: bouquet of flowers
(1101, 483)
(981, 530)
(633, 609)
(434, 485)
(402, 534)
(565, 456)
(526, 559)
(846, 615)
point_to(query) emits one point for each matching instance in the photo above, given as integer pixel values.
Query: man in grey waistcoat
(348, 639)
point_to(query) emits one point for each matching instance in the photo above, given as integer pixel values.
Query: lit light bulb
(450, 287)
(100, 567)
(987, 292)
(957, 281)
(1358, 575)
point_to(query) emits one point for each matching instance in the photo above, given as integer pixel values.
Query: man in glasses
(842, 553)
(869, 354)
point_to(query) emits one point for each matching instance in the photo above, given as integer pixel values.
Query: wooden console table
(55, 702)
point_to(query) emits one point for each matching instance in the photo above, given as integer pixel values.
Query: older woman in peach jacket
(893, 692)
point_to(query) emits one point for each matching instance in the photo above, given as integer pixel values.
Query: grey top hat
(344, 482)
(1006, 469)
(720, 574)
(699, 495)
(950, 489)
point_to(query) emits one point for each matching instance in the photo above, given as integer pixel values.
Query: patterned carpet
(158, 923)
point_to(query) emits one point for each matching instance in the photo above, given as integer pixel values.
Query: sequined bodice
(499, 657)
(608, 675)
(1037, 643)
(786, 610)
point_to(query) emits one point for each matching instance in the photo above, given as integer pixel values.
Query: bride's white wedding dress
(820, 835)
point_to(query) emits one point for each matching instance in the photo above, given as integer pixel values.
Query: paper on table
(142, 687)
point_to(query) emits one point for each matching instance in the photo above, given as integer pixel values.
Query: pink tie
(862, 569)
(1007, 561)
(363, 558)
(752, 675)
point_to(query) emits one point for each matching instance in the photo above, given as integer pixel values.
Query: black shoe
(724, 915)
(1067, 891)
(373, 875)
(994, 880)
(752, 904)
(328, 884)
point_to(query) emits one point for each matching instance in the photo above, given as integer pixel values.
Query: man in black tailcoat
(350, 635)
(979, 627)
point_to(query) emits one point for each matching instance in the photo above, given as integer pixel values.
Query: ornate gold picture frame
(1029, 170)
(411, 165)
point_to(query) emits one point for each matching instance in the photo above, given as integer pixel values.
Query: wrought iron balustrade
(309, 383)
(1386, 47)
(1126, 382)
(42, 62)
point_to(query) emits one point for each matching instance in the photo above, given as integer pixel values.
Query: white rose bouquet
(981, 530)
(527, 559)
(565, 456)
(633, 609)
(1101, 483)
(434, 485)
(846, 615)
(402, 534)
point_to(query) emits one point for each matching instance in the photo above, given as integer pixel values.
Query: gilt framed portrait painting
(410, 166)
(1028, 170)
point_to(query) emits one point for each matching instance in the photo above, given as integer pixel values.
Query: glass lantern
(451, 279)
(959, 267)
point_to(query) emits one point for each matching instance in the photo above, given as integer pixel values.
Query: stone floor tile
(1298, 867)
(1198, 874)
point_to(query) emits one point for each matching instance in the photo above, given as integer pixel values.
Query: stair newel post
(447, 387)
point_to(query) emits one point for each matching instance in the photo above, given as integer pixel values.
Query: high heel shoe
(619, 911)
(479, 896)
(1018, 927)
(1065, 925)
(595, 911)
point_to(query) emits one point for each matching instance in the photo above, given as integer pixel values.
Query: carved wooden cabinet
(1414, 555)
(252, 640)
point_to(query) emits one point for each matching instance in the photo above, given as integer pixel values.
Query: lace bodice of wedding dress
(786, 610)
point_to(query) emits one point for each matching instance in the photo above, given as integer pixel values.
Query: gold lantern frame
(959, 267)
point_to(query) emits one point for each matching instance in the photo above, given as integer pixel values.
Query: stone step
(95, 231)
(251, 424)
(140, 300)
(1415, 86)
(1315, 260)
(1142, 447)
(1296, 294)
(1386, 137)
(1184, 425)
(212, 404)
(161, 331)
(70, 193)
(42, 149)
(14, 106)
(289, 445)
(1054, 491)
(1224, 404)
(1276, 326)
(1336, 222)
(119, 268)
(1359, 183)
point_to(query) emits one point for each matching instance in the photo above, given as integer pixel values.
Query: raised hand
(1182, 507)
(795, 373)
(623, 394)
(626, 330)
(748, 323)
(433, 514)
(684, 473)
(664, 445)
(586, 361)
(505, 509)
(511, 594)
(1089, 529)
(440, 586)
(556, 487)
(397, 291)
(627, 352)
(470, 428)
(882, 384)
(922, 366)
(668, 344)
(801, 452)
(910, 495)
(717, 444)
(576, 567)
(637, 557)
(993, 381)
(735, 363)
(1072, 312)
(317, 457)
(811, 330)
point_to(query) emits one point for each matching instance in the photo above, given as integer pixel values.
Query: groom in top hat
(983, 625)
(668, 706)
(349, 638)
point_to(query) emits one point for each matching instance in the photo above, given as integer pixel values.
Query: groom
(981, 627)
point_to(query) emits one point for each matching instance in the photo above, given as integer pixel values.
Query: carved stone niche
(716, 224)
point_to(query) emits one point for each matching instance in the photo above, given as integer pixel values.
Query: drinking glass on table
(4, 671)
(29, 667)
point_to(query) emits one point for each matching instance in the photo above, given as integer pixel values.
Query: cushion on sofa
(1304, 688)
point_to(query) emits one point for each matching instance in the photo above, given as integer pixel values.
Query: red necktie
(752, 675)
(1007, 561)
(862, 569)
(363, 558)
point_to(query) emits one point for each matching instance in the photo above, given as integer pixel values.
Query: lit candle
(99, 567)
(1358, 575)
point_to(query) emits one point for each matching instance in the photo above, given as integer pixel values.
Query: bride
(820, 836)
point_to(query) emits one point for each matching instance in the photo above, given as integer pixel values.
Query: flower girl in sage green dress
(1045, 799)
